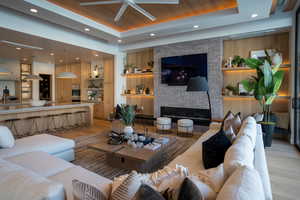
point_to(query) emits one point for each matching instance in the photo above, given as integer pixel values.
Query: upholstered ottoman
(163, 124)
(185, 127)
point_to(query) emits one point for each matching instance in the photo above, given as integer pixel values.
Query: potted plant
(237, 61)
(232, 90)
(265, 86)
(127, 115)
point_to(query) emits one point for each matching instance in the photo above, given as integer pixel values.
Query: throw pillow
(230, 134)
(239, 154)
(249, 128)
(214, 149)
(214, 177)
(244, 184)
(232, 120)
(128, 187)
(7, 139)
(193, 188)
(84, 191)
(146, 192)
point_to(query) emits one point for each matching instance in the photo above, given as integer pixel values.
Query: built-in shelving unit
(132, 81)
(233, 76)
(26, 86)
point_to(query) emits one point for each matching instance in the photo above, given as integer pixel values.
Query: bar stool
(68, 125)
(34, 125)
(51, 126)
(11, 124)
(82, 118)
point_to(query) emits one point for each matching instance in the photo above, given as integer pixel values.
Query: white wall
(11, 65)
(43, 68)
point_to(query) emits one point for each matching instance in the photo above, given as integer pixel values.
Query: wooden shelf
(96, 79)
(139, 75)
(250, 97)
(138, 95)
(283, 67)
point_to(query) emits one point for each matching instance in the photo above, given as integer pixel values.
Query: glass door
(296, 100)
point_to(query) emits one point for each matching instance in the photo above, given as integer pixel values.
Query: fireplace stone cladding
(176, 96)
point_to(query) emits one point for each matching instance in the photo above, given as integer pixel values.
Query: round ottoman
(163, 124)
(185, 127)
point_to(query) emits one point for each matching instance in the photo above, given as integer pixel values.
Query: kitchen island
(24, 119)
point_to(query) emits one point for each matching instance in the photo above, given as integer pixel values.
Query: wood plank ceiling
(132, 19)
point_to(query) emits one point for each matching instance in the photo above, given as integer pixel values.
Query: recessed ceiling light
(51, 54)
(33, 10)
(196, 26)
(152, 34)
(87, 29)
(77, 58)
(96, 55)
(61, 61)
(120, 41)
(18, 48)
(24, 59)
(254, 15)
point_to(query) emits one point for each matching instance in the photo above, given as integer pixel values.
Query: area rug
(94, 160)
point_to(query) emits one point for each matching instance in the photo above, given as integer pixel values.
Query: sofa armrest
(260, 163)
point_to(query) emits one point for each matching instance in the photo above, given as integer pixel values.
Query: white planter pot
(128, 131)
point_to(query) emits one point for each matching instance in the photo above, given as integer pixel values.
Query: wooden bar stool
(51, 126)
(82, 118)
(11, 124)
(34, 125)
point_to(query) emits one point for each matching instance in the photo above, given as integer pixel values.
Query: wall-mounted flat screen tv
(177, 70)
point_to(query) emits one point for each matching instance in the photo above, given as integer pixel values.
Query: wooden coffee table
(139, 159)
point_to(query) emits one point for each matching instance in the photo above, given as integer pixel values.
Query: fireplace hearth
(199, 116)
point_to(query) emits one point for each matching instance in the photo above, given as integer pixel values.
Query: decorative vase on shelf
(128, 131)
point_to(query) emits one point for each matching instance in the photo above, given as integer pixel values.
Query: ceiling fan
(133, 4)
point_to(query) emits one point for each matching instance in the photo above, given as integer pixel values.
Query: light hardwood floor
(283, 161)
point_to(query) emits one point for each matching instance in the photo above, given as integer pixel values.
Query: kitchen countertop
(20, 108)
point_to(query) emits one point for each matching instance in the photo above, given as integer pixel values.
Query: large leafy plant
(127, 114)
(267, 82)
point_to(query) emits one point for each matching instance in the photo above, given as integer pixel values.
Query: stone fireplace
(176, 96)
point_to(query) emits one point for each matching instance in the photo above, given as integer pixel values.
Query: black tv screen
(177, 70)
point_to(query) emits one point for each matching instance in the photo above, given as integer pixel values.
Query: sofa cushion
(214, 149)
(239, 154)
(84, 191)
(67, 176)
(243, 184)
(231, 120)
(17, 182)
(44, 142)
(249, 129)
(7, 139)
(41, 163)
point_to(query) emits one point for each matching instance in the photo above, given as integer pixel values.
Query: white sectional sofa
(42, 173)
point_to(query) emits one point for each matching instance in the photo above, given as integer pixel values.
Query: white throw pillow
(249, 129)
(239, 154)
(214, 177)
(243, 184)
(7, 139)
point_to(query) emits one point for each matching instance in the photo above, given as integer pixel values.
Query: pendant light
(66, 75)
(32, 77)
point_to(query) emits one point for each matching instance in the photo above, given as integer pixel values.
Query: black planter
(268, 130)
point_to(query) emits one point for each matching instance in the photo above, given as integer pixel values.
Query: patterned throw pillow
(128, 187)
(146, 192)
(83, 191)
(232, 120)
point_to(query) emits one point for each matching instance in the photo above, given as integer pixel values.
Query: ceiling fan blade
(141, 10)
(93, 3)
(121, 12)
(157, 1)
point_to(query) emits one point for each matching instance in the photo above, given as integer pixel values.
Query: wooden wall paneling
(63, 86)
(76, 69)
(242, 47)
(85, 74)
(108, 85)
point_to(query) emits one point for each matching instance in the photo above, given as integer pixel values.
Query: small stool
(34, 125)
(50, 125)
(163, 125)
(185, 127)
(11, 124)
(68, 121)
